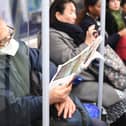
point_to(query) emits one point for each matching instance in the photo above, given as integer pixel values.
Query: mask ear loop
(11, 31)
(7, 42)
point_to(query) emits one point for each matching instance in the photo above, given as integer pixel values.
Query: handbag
(114, 68)
(79, 118)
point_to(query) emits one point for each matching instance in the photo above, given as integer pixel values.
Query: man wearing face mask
(17, 106)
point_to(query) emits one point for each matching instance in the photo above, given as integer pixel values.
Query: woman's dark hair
(107, 3)
(82, 13)
(58, 6)
(123, 2)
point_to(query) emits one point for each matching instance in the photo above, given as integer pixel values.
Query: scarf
(72, 30)
(118, 18)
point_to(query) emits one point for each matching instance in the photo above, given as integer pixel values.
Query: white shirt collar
(10, 49)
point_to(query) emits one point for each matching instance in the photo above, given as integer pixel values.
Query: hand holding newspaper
(77, 63)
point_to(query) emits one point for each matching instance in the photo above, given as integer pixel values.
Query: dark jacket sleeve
(112, 40)
(35, 56)
(19, 111)
(35, 59)
(53, 69)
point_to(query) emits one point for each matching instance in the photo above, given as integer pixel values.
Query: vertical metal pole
(101, 69)
(45, 61)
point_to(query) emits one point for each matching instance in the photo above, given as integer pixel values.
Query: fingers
(70, 111)
(91, 35)
(60, 93)
(96, 34)
(92, 27)
(68, 88)
(92, 30)
(67, 108)
(61, 109)
(70, 79)
(66, 111)
(57, 106)
(72, 108)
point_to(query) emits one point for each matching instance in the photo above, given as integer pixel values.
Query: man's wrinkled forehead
(2, 24)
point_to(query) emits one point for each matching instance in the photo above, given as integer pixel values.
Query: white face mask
(10, 48)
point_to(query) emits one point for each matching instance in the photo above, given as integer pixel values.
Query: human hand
(122, 32)
(67, 108)
(91, 35)
(59, 93)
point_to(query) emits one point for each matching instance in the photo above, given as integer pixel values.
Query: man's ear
(58, 16)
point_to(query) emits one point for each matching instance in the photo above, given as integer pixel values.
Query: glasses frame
(6, 40)
(11, 31)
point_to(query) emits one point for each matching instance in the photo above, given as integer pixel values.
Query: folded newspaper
(77, 63)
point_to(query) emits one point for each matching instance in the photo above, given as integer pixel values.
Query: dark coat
(111, 26)
(17, 105)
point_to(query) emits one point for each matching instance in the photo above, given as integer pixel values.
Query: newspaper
(77, 63)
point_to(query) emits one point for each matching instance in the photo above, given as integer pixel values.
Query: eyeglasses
(5, 41)
(11, 31)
